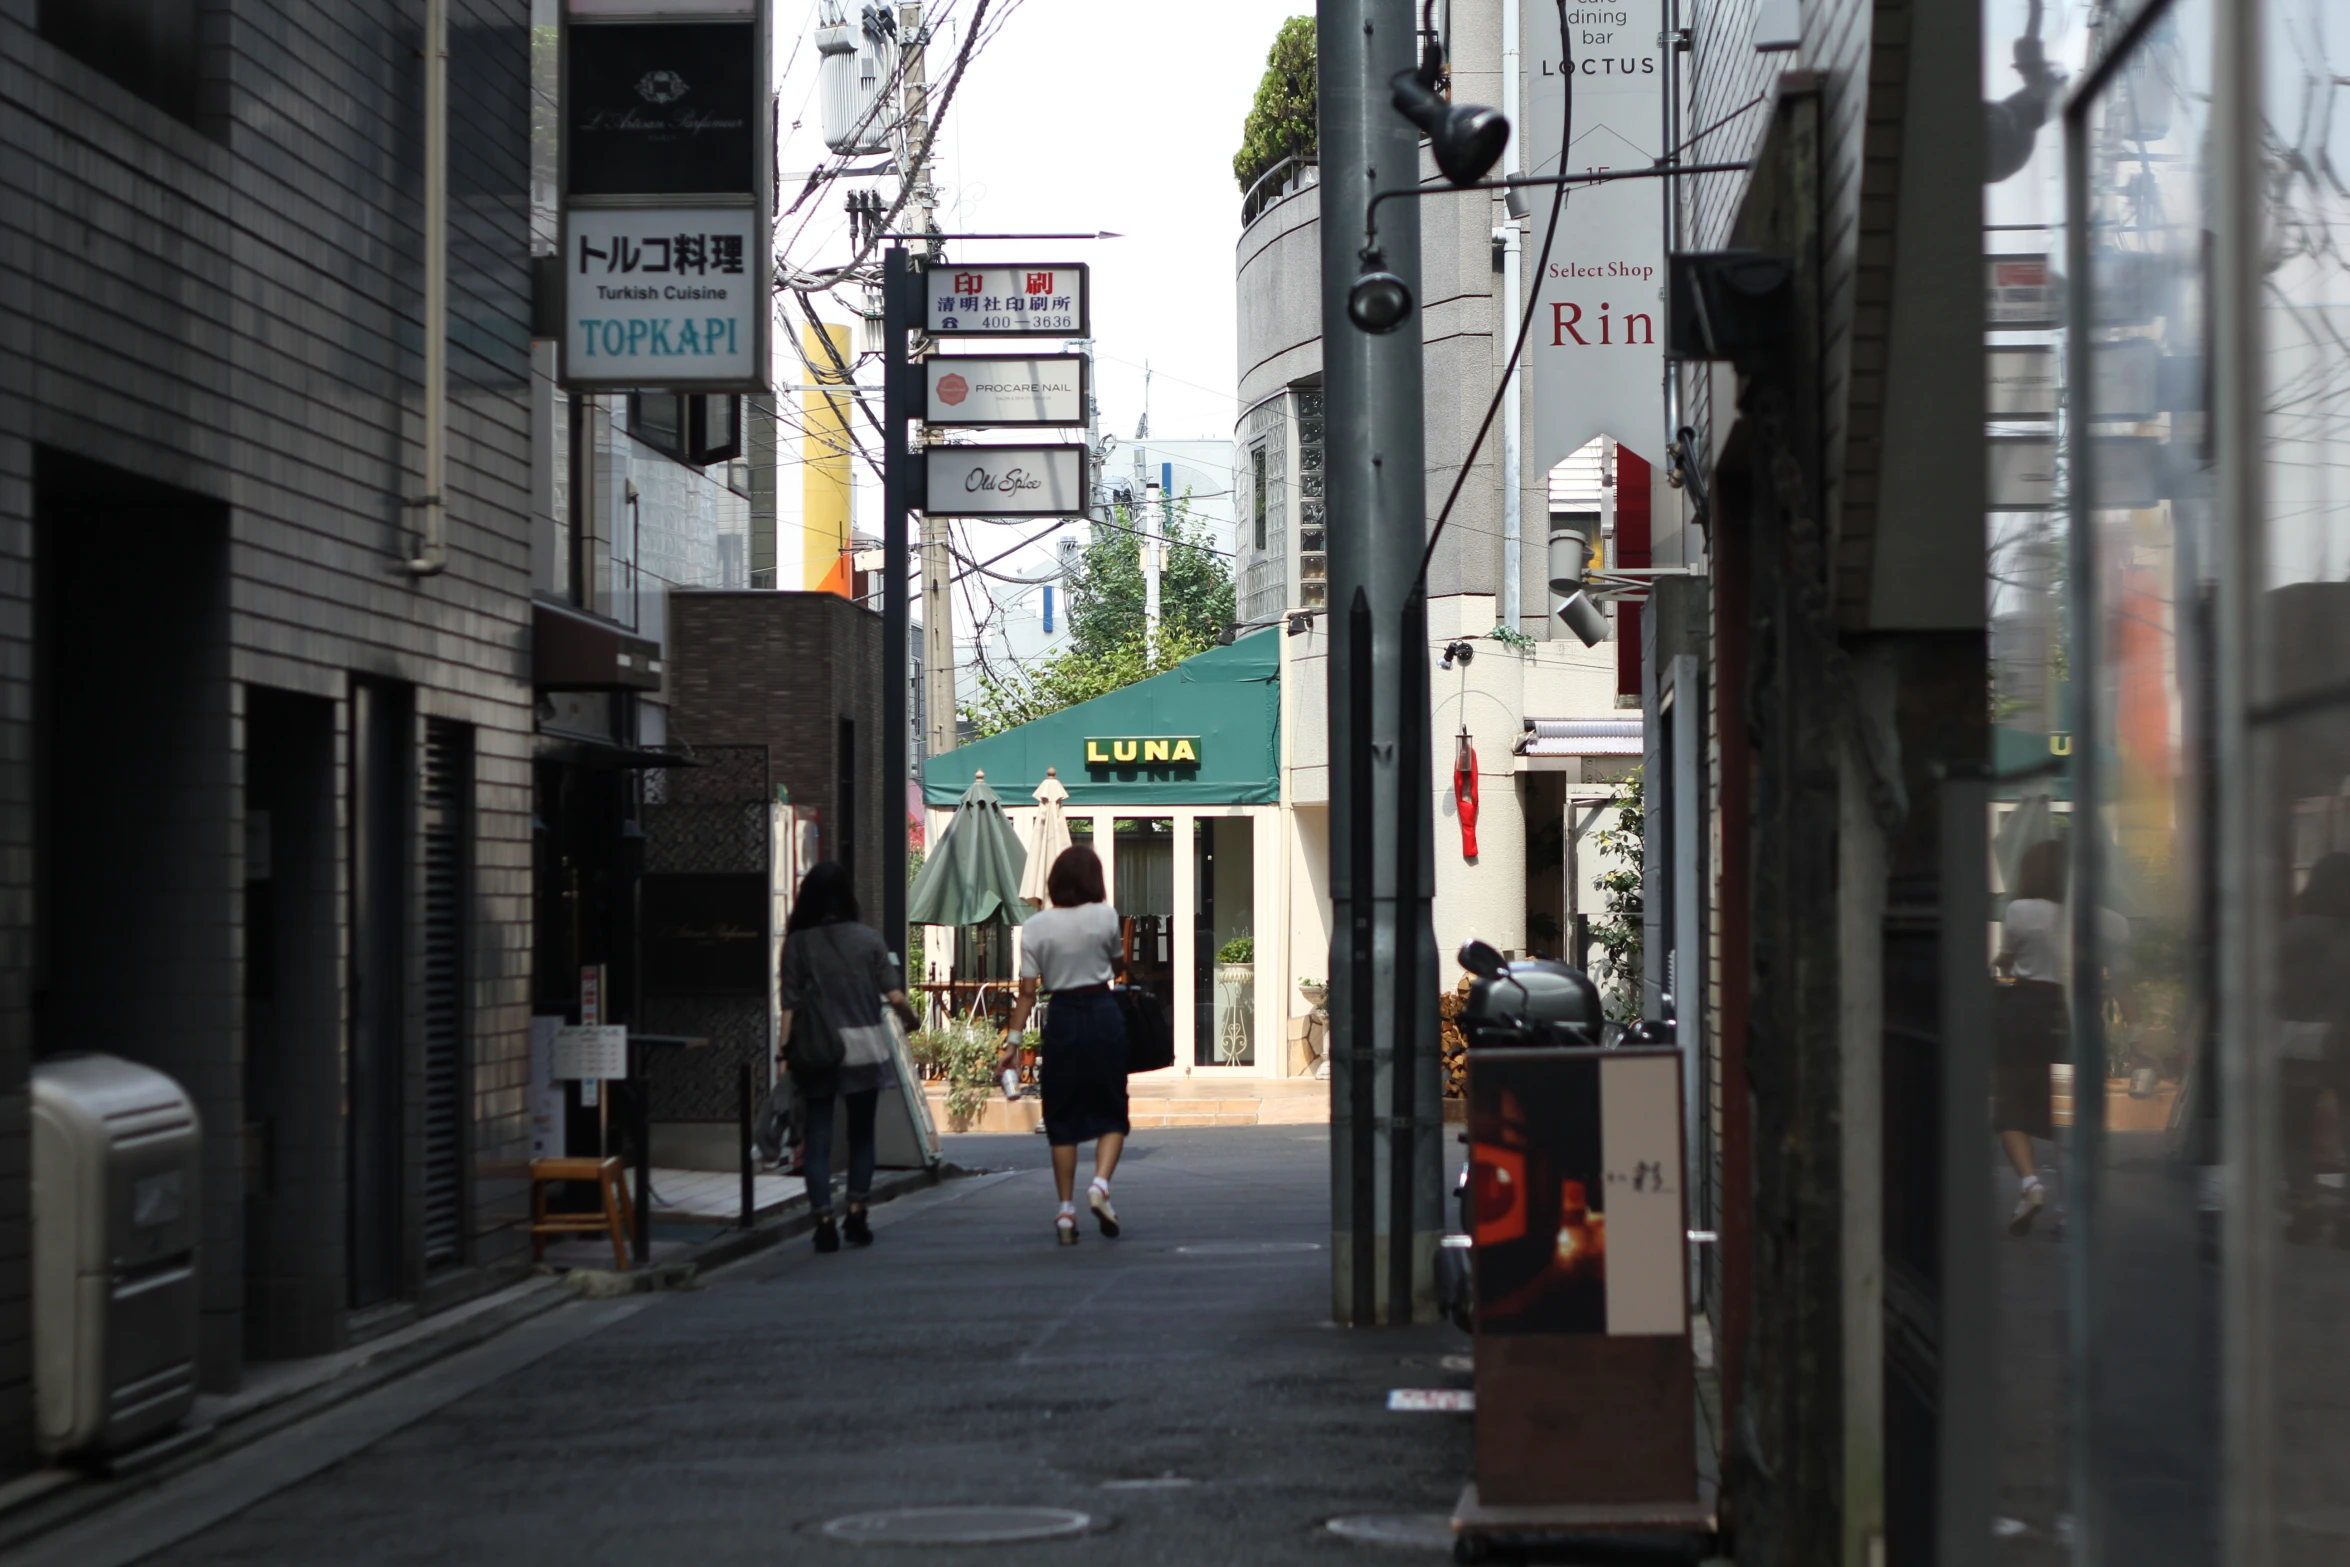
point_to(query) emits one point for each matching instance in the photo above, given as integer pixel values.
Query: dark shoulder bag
(1150, 1039)
(815, 1050)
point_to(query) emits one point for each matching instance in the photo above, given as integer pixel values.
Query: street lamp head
(1467, 138)
(1380, 301)
(1584, 618)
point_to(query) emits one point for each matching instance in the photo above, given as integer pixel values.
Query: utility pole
(920, 140)
(1153, 501)
(1385, 1197)
(901, 484)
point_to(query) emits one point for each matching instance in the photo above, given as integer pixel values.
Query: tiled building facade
(267, 791)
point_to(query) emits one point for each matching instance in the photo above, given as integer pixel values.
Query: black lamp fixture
(1467, 139)
(1460, 653)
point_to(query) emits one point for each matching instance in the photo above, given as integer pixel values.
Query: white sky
(1083, 115)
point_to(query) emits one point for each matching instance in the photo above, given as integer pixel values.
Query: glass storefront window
(2298, 1080)
(2143, 1147)
(1143, 870)
(1223, 946)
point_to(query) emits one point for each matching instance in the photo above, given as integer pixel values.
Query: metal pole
(901, 313)
(1376, 475)
(433, 558)
(1513, 486)
(644, 1164)
(1967, 1442)
(742, 1115)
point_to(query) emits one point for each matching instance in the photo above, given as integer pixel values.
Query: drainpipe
(433, 559)
(1513, 491)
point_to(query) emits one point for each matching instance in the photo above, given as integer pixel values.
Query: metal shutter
(447, 789)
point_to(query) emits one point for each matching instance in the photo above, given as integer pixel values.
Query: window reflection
(2299, 1076)
(2144, 1138)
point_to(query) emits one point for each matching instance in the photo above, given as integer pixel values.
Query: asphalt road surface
(1182, 1387)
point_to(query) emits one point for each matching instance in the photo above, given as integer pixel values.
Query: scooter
(1531, 1002)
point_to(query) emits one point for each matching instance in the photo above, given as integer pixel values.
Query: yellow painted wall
(824, 466)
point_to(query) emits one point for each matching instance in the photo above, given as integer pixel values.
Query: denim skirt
(1082, 1072)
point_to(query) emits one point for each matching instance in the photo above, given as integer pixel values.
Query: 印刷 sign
(1045, 299)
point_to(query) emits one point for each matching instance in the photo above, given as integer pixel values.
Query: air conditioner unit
(116, 1154)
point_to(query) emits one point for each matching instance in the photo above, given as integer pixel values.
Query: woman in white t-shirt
(1069, 951)
(2031, 1032)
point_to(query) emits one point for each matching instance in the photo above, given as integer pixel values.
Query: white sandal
(1097, 1197)
(1065, 1228)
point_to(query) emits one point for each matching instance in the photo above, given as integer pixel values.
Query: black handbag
(815, 1050)
(1150, 1037)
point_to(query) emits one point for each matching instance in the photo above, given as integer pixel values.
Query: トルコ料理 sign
(662, 297)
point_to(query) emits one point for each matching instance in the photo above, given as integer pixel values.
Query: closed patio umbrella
(1052, 837)
(972, 875)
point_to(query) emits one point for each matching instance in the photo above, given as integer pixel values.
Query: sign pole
(901, 313)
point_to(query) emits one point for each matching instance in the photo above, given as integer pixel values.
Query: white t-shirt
(1062, 949)
(2030, 937)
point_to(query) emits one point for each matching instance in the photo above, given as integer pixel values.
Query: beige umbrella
(1052, 836)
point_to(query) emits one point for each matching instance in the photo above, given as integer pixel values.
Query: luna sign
(1004, 481)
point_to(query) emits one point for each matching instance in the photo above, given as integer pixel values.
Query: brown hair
(1076, 877)
(2041, 875)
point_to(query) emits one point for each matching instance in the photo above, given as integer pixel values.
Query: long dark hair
(826, 897)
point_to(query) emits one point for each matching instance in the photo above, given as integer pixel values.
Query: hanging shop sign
(986, 391)
(1047, 300)
(2020, 383)
(667, 173)
(669, 297)
(2020, 294)
(1004, 481)
(1596, 350)
(662, 108)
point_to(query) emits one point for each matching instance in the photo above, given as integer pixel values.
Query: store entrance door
(1143, 867)
(1223, 943)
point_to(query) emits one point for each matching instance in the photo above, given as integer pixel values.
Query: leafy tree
(1280, 123)
(1107, 595)
(1622, 844)
(1107, 648)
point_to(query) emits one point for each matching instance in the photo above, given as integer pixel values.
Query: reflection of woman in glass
(2313, 996)
(2031, 1027)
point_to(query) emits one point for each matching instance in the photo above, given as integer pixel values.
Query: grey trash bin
(115, 1221)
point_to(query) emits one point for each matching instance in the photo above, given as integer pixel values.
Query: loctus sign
(665, 297)
(972, 389)
(1004, 481)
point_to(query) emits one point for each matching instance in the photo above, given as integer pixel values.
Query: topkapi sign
(667, 174)
(1597, 345)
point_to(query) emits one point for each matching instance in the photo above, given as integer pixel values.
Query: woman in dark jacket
(840, 970)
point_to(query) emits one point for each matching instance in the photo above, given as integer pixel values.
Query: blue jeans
(817, 1153)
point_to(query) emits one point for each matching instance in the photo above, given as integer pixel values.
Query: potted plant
(1315, 991)
(963, 1051)
(1236, 976)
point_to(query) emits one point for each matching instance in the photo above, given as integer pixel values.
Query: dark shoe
(855, 1230)
(827, 1238)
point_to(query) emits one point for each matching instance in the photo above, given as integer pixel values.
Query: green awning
(1207, 732)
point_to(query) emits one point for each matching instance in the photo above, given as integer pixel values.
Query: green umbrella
(973, 876)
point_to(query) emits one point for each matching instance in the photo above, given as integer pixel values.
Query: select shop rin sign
(663, 297)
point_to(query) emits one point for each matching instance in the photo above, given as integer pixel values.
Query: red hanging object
(1464, 793)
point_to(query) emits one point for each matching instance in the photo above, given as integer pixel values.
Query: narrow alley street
(1180, 1386)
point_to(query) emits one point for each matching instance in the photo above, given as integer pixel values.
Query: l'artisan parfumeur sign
(1142, 751)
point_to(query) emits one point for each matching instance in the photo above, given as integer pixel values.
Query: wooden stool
(615, 1220)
